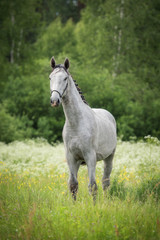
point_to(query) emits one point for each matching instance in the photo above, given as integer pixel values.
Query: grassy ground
(35, 202)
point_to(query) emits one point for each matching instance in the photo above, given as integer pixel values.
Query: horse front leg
(73, 169)
(91, 164)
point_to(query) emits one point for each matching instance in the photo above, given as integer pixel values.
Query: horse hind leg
(108, 162)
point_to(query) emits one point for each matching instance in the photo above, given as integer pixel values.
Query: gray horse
(89, 134)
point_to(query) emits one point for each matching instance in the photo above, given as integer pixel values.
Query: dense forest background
(113, 47)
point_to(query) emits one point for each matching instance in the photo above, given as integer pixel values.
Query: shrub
(13, 128)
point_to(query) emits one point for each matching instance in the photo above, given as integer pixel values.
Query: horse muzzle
(55, 103)
(55, 98)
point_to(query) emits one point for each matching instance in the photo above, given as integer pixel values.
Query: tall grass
(35, 202)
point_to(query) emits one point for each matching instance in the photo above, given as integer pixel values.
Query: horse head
(58, 81)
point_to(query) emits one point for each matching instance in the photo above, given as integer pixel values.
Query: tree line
(113, 47)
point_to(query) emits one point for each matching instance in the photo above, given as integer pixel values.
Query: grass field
(35, 202)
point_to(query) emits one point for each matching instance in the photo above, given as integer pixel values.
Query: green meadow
(35, 202)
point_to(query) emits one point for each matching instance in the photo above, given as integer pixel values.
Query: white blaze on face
(57, 86)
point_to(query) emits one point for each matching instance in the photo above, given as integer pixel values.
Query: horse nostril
(58, 101)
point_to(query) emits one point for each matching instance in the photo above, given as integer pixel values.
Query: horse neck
(73, 104)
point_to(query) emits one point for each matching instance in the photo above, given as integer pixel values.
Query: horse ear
(66, 63)
(53, 63)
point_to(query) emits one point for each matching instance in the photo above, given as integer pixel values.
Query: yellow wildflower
(49, 188)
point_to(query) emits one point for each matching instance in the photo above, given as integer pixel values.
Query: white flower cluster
(32, 157)
(38, 157)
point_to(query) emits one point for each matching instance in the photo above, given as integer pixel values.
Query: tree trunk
(13, 42)
(20, 43)
(118, 39)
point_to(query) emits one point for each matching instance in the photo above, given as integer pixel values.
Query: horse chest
(76, 147)
(75, 142)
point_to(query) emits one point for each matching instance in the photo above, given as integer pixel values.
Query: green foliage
(64, 9)
(8, 126)
(13, 128)
(57, 38)
(19, 23)
(113, 56)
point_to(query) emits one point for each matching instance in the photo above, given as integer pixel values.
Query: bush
(13, 128)
(8, 126)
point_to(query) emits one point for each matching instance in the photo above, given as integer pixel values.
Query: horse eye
(65, 79)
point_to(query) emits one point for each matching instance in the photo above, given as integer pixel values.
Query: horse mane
(76, 84)
(80, 92)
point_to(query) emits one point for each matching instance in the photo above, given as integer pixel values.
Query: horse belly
(106, 134)
(106, 141)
